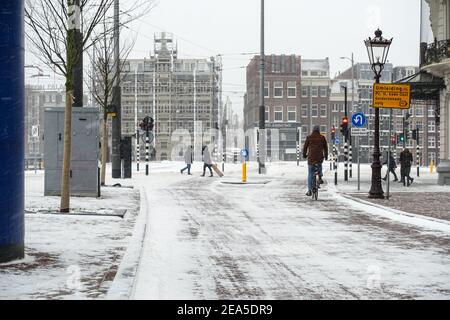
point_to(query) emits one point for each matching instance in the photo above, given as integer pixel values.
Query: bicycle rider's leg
(311, 172)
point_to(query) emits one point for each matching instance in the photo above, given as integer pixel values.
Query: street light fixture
(378, 50)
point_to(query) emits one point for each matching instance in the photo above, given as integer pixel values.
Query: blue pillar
(11, 130)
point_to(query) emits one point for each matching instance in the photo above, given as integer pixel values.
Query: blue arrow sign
(244, 153)
(359, 120)
(338, 140)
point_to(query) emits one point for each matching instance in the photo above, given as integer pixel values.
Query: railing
(436, 52)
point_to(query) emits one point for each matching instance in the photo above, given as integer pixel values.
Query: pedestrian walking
(391, 167)
(207, 161)
(406, 159)
(188, 159)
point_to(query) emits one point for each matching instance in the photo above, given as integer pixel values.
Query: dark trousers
(209, 166)
(188, 168)
(391, 170)
(405, 173)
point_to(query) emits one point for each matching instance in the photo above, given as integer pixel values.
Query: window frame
(275, 88)
(291, 110)
(277, 111)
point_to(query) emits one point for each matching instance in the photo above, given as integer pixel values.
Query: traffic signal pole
(346, 139)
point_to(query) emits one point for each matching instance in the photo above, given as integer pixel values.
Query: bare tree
(59, 32)
(102, 79)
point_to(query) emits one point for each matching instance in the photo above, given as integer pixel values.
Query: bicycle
(315, 184)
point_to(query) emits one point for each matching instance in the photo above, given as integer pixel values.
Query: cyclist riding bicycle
(316, 150)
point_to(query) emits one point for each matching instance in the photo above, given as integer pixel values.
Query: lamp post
(378, 50)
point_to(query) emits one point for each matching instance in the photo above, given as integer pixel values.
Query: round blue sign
(244, 153)
(359, 120)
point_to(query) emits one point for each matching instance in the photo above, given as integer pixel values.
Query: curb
(392, 214)
(123, 283)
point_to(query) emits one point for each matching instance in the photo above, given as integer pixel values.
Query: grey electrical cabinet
(84, 177)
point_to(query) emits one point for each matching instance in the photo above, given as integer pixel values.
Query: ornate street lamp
(378, 50)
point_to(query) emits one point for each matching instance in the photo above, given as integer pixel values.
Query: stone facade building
(435, 60)
(175, 92)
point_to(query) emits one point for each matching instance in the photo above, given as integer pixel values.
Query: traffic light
(333, 133)
(401, 137)
(344, 127)
(147, 124)
(394, 140)
(415, 135)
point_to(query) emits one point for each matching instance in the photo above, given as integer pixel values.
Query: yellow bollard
(244, 172)
(431, 166)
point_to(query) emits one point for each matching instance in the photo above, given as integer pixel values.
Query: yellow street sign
(394, 96)
(112, 114)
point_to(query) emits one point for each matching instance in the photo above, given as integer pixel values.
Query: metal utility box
(126, 152)
(85, 151)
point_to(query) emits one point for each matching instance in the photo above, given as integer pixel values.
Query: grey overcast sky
(312, 29)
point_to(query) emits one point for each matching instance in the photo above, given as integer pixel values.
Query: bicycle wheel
(316, 188)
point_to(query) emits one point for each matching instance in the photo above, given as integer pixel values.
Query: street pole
(353, 110)
(138, 146)
(376, 191)
(389, 157)
(262, 111)
(346, 139)
(335, 163)
(195, 109)
(359, 162)
(418, 153)
(298, 147)
(147, 147)
(117, 120)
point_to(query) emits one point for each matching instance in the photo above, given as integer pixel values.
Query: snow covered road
(208, 240)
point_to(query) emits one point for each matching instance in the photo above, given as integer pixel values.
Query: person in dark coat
(406, 160)
(391, 167)
(207, 161)
(316, 151)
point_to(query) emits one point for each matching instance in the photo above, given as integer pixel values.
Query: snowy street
(209, 240)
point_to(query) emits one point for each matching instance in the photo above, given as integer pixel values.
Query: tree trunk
(104, 149)
(65, 175)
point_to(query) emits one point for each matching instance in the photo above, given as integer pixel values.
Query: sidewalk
(70, 256)
(423, 197)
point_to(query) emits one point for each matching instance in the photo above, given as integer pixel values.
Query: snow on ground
(208, 240)
(70, 257)
(424, 197)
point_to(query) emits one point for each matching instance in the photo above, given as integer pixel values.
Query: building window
(278, 89)
(432, 142)
(278, 114)
(335, 107)
(266, 89)
(305, 92)
(292, 89)
(315, 110)
(323, 110)
(431, 126)
(305, 111)
(314, 91)
(419, 111)
(292, 114)
(431, 157)
(305, 131)
(323, 91)
(430, 111)
(305, 73)
(267, 114)
(323, 129)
